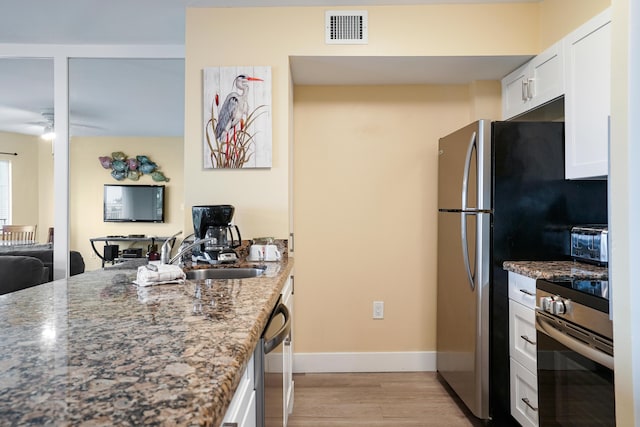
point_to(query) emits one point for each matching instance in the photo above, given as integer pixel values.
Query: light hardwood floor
(376, 399)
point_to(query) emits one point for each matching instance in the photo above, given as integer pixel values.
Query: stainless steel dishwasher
(269, 385)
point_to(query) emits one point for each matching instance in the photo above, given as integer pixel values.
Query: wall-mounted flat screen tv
(133, 203)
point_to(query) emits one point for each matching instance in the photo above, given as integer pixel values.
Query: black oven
(575, 354)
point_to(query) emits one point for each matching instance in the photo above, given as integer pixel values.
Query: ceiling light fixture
(48, 133)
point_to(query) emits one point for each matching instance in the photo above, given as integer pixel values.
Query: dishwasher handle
(281, 334)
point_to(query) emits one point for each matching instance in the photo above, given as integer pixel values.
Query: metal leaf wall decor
(123, 167)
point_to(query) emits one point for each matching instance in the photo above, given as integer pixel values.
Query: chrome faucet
(184, 249)
(165, 252)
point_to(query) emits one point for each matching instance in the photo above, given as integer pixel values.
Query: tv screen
(133, 203)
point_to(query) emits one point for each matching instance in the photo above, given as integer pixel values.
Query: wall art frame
(237, 122)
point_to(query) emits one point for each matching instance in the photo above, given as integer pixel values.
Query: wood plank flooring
(376, 399)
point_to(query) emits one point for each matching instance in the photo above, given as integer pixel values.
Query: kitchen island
(94, 349)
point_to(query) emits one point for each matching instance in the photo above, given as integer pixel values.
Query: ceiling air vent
(346, 27)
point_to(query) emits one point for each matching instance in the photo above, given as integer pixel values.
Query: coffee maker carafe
(214, 224)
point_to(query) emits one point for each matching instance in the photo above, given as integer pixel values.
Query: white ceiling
(145, 97)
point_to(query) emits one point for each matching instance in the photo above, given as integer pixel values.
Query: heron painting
(237, 117)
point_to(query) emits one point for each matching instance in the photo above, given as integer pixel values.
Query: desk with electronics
(112, 253)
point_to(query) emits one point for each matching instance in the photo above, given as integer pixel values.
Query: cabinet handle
(530, 88)
(524, 291)
(528, 403)
(234, 424)
(524, 90)
(526, 338)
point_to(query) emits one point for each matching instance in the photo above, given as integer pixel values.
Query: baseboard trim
(412, 361)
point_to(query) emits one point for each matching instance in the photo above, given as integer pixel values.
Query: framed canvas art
(237, 117)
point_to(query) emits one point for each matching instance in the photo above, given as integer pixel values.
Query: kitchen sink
(224, 273)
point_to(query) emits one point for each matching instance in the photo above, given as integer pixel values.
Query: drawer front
(522, 289)
(524, 395)
(522, 335)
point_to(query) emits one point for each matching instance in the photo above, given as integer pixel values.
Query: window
(5, 192)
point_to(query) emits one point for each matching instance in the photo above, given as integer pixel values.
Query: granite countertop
(92, 350)
(557, 270)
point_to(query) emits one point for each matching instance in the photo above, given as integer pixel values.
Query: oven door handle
(573, 344)
(279, 336)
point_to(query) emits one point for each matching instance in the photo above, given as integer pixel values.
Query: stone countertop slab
(557, 270)
(92, 350)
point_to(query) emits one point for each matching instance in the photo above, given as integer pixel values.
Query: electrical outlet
(378, 309)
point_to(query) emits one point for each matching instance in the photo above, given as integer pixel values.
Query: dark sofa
(46, 257)
(20, 272)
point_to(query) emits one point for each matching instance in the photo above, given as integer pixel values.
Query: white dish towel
(167, 273)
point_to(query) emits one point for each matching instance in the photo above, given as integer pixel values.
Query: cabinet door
(546, 76)
(588, 98)
(242, 409)
(514, 94)
(534, 83)
(522, 335)
(524, 395)
(522, 289)
(287, 350)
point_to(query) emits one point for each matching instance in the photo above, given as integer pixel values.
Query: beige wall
(88, 177)
(25, 169)
(355, 281)
(365, 204)
(45, 189)
(559, 17)
(261, 196)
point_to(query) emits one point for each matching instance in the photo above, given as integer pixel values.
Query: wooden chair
(19, 234)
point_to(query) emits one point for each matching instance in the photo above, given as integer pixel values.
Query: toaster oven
(590, 243)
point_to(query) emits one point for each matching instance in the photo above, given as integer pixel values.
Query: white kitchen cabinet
(522, 335)
(242, 409)
(287, 350)
(535, 83)
(588, 98)
(280, 360)
(524, 395)
(522, 349)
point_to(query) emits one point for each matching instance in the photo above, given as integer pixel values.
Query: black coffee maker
(214, 223)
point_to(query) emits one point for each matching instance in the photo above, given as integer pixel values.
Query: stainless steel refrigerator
(501, 196)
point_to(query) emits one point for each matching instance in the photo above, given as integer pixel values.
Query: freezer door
(463, 308)
(464, 168)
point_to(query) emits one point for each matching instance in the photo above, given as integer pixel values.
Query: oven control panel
(555, 305)
(569, 304)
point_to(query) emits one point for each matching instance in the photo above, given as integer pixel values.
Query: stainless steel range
(575, 353)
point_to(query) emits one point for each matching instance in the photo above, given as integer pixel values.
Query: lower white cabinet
(287, 351)
(242, 409)
(522, 350)
(524, 395)
(280, 360)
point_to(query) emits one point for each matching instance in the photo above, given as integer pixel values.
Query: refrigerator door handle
(465, 249)
(463, 216)
(467, 167)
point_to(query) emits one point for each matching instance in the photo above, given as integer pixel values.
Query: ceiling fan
(48, 130)
(48, 125)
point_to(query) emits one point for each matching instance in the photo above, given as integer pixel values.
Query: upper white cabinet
(588, 98)
(535, 83)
